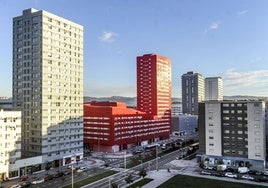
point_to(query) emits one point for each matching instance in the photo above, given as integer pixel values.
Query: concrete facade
(234, 131)
(184, 124)
(10, 140)
(213, 88)
(193, 92)
(48, 85)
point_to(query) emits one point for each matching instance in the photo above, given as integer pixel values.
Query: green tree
(143, 173)
(129, 179)
(114, 185)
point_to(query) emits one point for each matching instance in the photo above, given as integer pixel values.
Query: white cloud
(108, 37)
(246, 83)
(241, 13)
(213, 26)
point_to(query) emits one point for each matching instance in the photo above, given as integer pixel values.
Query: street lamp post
(156, 155)
(72, 176)
(125, 160)
(110, 182)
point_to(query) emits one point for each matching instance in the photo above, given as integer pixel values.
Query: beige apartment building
(48, 86)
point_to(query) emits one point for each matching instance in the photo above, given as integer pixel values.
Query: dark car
(59, 174)
(48, 177)
(219, 174)
(67, 172)
(261, 179)
(24, 178)
(25, 184)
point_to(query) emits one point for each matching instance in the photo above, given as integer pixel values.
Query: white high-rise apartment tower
(48, 85)
(213, 89)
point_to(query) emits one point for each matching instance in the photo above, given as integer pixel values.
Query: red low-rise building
(111, 126)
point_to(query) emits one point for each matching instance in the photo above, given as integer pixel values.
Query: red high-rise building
(111, 126)
(154, 85)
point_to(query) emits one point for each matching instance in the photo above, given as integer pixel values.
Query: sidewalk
(159, 177)
(91, 163)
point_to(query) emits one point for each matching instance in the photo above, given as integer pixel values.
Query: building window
(256, 104)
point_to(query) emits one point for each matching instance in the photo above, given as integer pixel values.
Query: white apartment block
(234, 131)
(10, 140)
(213, 88)
(48, 85)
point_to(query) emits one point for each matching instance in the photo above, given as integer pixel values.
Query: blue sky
(215, 38)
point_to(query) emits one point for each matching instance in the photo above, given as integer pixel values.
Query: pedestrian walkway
(91, 163)
(159, 177)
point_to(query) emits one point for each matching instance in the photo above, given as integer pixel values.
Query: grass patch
(92, 179)
(140, 183)
(190, 157)
(193, 182)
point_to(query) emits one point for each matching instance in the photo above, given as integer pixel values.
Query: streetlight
(72, 176)
(156, 155)
(125, 160)
(110, 178)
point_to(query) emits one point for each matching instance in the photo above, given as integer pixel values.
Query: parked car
(230, 175)
(37, 181)
(242, 170)
(219, 174)
(210, 167)
(16, 186)
(24, 178)
(59, 174)
(25, 184)
(261, 178)
(79, 171)
(247, 177)
(48, 177)
(67, 172)
(137, 152)
(204, 172)
(83, 168)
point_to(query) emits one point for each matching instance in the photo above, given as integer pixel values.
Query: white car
(39, 180)
(83, 168)
(16, 186)
(230, 175)
(247, 177)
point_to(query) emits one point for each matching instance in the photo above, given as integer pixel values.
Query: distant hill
(243, 97)
(132, 101)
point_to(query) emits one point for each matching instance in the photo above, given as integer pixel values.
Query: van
(242, 170)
